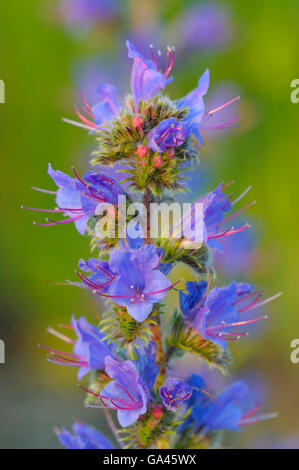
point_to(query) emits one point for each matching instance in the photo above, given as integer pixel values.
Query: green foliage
(198, 259)
(122, 329)
(118, 141)
(152, 431)
(185, 338)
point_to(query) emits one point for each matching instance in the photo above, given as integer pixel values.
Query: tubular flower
(234, 407)
(101, 113)
(215, 205)
(89, 349)
(83, 437)
(83, 14)
(169, 133)
(126, 393)
(146, 79)
(101, 278)
(174, 392)
(148, 139)
(217, 313)
(138, 283)
(78, 198)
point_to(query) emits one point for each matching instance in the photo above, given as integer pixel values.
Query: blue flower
(195, 104)
(215, 205)
(219, 312)
(205, 25)
(146, 363)
(168, 134)
(69, 200)
(146, 79)
(126, 393)
(108, 106)
(174, 392)
(233, 408)
(83, 14)
(101, 278)
(138, 284)
(189, 301)
(229, 410)
(89, 349)
(83, 437)
(78, 198)
(100, 114)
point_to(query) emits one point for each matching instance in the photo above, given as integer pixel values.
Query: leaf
(187, 339)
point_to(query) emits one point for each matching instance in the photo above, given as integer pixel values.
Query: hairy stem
(112, 426)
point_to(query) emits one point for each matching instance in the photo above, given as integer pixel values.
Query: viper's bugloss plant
(129, 355)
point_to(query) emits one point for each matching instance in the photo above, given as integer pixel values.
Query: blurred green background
(36, 60)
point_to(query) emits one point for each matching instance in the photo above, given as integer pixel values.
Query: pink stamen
(85, 102)
(64, 209)
(234, 215)
(248, 296)
(162, 290)
(85, 120)
(71, 355)
(222, 106)
(59, 222)
(87, 281)
(242, 195)
(127, 405)
(252, 412)
(230, 231)
(227, 325)
(64, 338)
(223, 125)
(126, 391)
(267, 300)
(43, 190)
(249, 306)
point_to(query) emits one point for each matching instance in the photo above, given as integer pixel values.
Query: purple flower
(195, 104)
(231, 411)
(238, 255)
(78, 198)
(89, 349)
(205, 26)
(215, 205)
(83, 14)
(83, 437)
(168, 134)
(146, 79)
(138, 283)
(126, 393)
(216, 313)
(146, 363)
(234, 407)
(101, 278)
(103, 112)
(189, 301)
(174, 392)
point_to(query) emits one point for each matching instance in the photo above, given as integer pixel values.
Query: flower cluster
(129, 357)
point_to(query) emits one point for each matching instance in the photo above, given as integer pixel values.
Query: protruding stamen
(210, 113)
(241, 195)
(64, 338)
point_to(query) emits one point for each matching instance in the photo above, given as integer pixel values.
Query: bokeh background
(46, 56)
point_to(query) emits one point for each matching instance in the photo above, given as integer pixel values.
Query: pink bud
(170, 153)
(158, 161)
(137, 123)
(142, 151)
